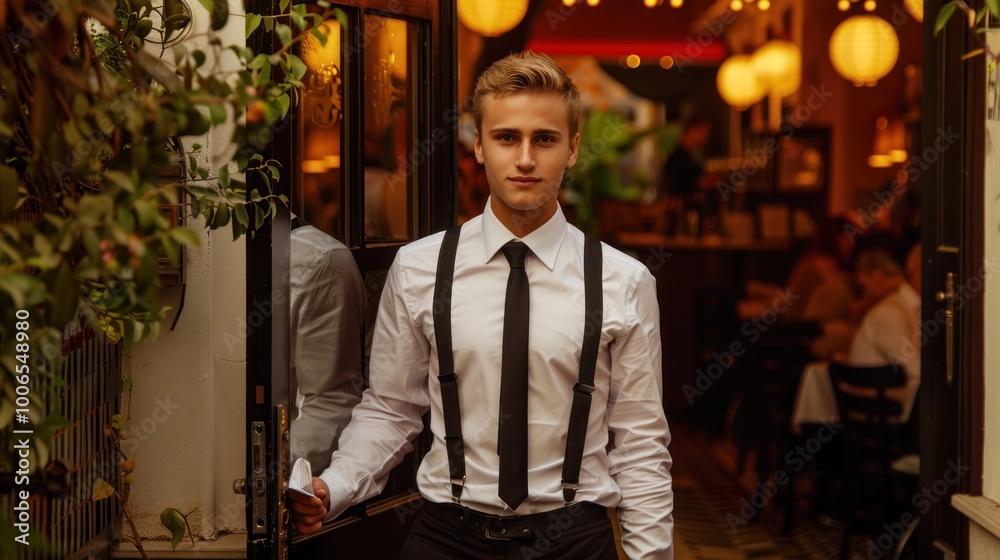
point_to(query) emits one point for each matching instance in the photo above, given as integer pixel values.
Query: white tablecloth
(815, 402)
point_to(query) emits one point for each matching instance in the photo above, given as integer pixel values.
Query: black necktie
(513, 431)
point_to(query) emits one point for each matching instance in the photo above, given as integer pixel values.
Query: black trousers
(580, 531)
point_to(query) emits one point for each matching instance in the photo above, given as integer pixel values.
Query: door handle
(256, 489)
(948, 298)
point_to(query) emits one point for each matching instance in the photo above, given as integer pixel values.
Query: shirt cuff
(341, 494)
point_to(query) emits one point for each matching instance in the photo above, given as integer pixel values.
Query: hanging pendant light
(738, 83)
(492, 18)
(778, 64)
(864, 49)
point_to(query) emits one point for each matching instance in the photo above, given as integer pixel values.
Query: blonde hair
(527, 71)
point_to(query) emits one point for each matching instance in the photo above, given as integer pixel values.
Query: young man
(510, 496)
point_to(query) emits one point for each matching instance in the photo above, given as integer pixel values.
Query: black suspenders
(593, 325)
(448, 378)
(446, 362)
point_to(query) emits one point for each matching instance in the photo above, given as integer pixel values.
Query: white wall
(983, 544)
(187, 424)
(991, 452)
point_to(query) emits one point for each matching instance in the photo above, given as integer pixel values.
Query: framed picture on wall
(802, 161)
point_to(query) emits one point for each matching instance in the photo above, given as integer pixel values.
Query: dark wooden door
(950, 168)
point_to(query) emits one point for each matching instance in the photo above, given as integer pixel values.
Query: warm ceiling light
(633, 61)
(650, 3)
(916, 8)
(890, 140)
(864, 49)
(568, 2)
(879, 160)
(738, 83)
(667, 62)
(778, 65)
(764, 5)
(593, 2)
(314, 166)
(844, 5)
(870, 5)
(736, 5)
(492, 18)
(676, 3)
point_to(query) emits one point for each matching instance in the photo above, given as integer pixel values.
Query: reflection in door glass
(318, 149)
(389, 129)
(326, 290)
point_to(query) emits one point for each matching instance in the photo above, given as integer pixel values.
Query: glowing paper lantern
(492, 18)
(864, 49)
(738, 83)
(779, 66)
(916, 8)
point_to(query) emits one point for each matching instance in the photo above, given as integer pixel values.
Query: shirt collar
(544, 242)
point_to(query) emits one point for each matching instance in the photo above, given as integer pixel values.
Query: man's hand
(308, 513)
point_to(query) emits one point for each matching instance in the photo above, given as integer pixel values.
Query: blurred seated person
(326, 311)
(838, 332)
(819, 287)
(889, 334)
(890, 331)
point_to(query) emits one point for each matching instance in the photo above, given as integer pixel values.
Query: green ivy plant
(974, 17)
(605, 139)
(96, 101)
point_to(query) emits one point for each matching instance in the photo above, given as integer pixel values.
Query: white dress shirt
(625, 462)
(326, 310)
(890, 334)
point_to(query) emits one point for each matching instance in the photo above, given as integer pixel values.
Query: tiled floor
(708, 522)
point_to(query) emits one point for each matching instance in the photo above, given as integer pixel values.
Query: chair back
(858, 406)
(870, 440)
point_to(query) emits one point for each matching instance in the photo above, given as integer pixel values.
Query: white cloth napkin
(300, 479)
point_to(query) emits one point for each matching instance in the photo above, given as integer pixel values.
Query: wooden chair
(871, 441)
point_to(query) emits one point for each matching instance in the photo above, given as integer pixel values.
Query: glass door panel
(390, 131)
(320, 197)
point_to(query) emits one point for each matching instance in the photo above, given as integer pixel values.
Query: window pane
(318, 147)
(389, 129)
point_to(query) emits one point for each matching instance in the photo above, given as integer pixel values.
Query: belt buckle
(490, 534)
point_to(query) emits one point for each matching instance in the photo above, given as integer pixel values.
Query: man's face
(525, 145)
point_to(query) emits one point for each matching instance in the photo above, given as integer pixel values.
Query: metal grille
(75, 526)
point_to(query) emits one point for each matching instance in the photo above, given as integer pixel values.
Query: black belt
(509, 528)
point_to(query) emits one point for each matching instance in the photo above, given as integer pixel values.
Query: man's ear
(574, 150)
(478, 148)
